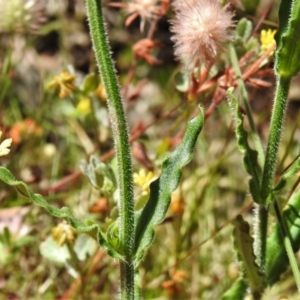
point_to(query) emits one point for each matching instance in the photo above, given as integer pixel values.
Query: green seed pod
(287, 62)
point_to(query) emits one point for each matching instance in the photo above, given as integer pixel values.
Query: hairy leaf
(277, 259)
(161, 189)
(237, 291)
(89, 227)
(243, 243)
(250, 156)
(287, 63)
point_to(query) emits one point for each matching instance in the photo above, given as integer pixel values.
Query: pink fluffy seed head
(201, 28)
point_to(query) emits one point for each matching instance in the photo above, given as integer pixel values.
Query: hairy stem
(127, 281)
(260, 235)
(121, 139)
(277, 120)
(276, 127)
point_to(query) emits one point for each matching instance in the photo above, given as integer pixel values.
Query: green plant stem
(261, 223)
(120, 133)
(127, 281)
(244, 94)
(276, 126)
(278, 114)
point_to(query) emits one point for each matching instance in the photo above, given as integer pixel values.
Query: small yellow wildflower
(100, 92)
(84, 105)
(4, 146)
(267, 39)
(63, 83)
(63, 233)
(143, 180)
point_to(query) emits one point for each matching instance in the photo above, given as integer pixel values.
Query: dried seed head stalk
(200, 30)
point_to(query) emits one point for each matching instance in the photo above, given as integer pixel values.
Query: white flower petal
(6, 143)
(4, 151)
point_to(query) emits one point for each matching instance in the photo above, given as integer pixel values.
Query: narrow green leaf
(287, 244)
(161, 189)
(237, 291)
(277, 259)
(90, 228)
(283, 15)
(243, 29)
(292, 169)
(243, 243)
(249, 155)
(287, 63)
(289, 172)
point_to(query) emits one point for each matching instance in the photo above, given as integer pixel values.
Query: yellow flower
(143, 180)
(100, 92)
(267, 39)
(4, 146)
(63, 233)
(63, 83)
(84, 105)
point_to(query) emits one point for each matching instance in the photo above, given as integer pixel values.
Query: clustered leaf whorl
(201, 28)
